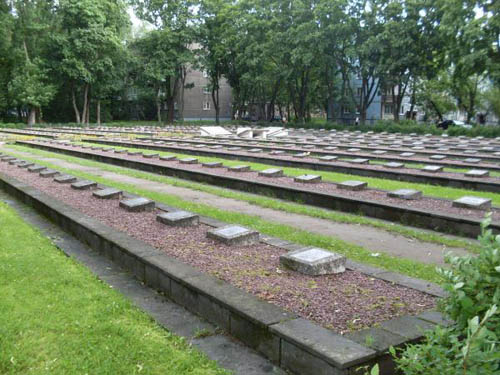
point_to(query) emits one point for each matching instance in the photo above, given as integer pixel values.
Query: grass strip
(266, 202)
(58, 318)
(375, 183)
(356, 253)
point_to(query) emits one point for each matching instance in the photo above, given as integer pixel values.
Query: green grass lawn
(376, 183)
(303, 237)
(57, 318)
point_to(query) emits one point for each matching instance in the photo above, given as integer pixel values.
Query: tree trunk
(171, 110)
(85, 103)
(32, 116)
(87, 114)
(98, 112)
(75, 107)
(158, 106)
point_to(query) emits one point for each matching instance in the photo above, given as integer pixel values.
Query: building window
(388, 109)
(205, 74)
(346, 110)
(359, 91)
(206, 106)
(206, 90)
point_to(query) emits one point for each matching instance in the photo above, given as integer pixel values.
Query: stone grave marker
(107, 193)
(393, 164)
(271, 172)
(83, 185)
(26, 164)
(188, 161)
(137, 204)
(178, 218)
(234, 235)
(48, 173)
(359, 161)
(407, 154)
(239, 168)
(476, 203)
(437, 157)
(308, 179)
(65, 179)
(168, 157)
(477, 173)
(352, 185)
(314, 261)
(328, 158)
(408, 194)
(36, 168)
(432, 168)
(212, 164)
(150, 156)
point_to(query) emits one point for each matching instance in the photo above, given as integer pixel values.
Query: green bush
(470, 346)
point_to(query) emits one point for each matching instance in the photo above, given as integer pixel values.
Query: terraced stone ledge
(294, 343)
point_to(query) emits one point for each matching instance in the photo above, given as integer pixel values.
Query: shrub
(469, 347)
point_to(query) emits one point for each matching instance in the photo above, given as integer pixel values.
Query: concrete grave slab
(108, 193)
(432, 168)
(308, 179)
(437, 157)
(137, 204)
(407, 154)
(25, 164)
(271, 172)
(212, 164)
(255, 150)
(48, 173)
(277, 152)
(168, 158)
(234, 235)
(475, 203)
(393, 164)
(352, 185)
(477, 173)
(359, 161)
(314, 261)
(150, 156)
(472, 160)
(379, 152)
(408, 194)
(84, 185)
(65, 179)
(36, 168)
(239, 168)
(188, 161)
(234, 148)
(178, 218)
(301, 155)
(327, 158)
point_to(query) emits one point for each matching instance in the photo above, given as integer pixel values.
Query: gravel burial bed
(442, 206)
(342, 302)
(372, 167)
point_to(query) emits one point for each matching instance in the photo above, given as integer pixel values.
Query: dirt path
(376, 240)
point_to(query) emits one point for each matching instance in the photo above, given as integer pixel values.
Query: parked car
(447, 123)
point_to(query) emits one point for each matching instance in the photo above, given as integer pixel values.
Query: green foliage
(470, 345)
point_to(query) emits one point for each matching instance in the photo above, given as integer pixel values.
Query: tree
(91, 34)
(175, 34)
(30, 87)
